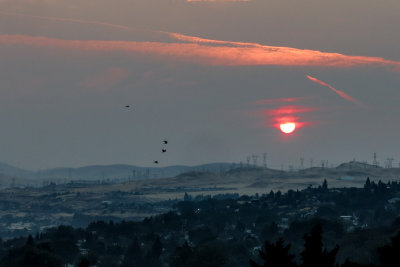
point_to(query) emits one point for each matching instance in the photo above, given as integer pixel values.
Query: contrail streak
(90, 22)
(340, 93)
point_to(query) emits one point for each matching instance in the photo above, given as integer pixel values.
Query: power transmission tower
(302, 163)
(255, 158)
(248, 161)
(133, 174)
(389, 162)
(265, 160)
(290, 168)
(375, 162)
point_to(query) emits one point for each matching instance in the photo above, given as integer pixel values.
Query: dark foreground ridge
(312, 227)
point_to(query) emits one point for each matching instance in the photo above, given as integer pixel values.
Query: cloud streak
(208, 54)
(106, 80)
(191, 1)
(288, 113)
(279, 100)
(202, 50)
(88, 22)
(338, 92)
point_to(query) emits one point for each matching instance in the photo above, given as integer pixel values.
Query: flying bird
(156, 162)
(127, 106)
(164, 150)
(165, 142)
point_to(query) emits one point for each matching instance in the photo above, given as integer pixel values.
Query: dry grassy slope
(256, 180)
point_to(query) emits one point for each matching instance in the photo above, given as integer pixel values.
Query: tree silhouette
(29, 241)
(367, 184)
(84, 263)
(182, 256)
(275, 255)
(156, 249)
(324, 186)
(314, 254)
(389, 254)
(133, 256)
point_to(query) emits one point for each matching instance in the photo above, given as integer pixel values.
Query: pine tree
(29, 241)
(84, 263)
(156, 250)
(314, 254)
(325, 186)
(133, 255)
(367, 184)
(275, 255)
(389, 254)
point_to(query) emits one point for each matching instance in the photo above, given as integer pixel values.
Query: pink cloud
(202, 53)
(279, 100)
(106, 80)
(189, 1)
(289, 113)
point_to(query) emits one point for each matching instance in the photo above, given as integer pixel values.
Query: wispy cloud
(203, 50)
(221, 55)
(289, 110)
(89, 22)
(189, 1)
(279, 100)
(106, 80)
(288, 113)
(338, 92)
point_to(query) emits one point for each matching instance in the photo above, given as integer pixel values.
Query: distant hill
(207, 174)
(114, 172)
(9, 170)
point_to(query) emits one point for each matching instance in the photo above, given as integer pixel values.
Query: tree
(367, 184)
(181, 256)
(133, 255)
(30, 256)
(84, 263)
(314, 254)
(156, 249)
(325, 186)
(29, 241)
(275, 255)
(389, 254)
(269, 231)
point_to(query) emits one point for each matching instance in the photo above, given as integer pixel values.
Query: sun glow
(287, 127)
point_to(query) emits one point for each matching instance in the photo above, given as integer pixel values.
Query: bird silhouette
(165, 142)
(156, 162)
(164, 150)
(127, 106)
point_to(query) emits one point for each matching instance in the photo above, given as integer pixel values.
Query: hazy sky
(215, 78)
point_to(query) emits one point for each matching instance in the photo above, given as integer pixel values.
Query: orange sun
(287, 127)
